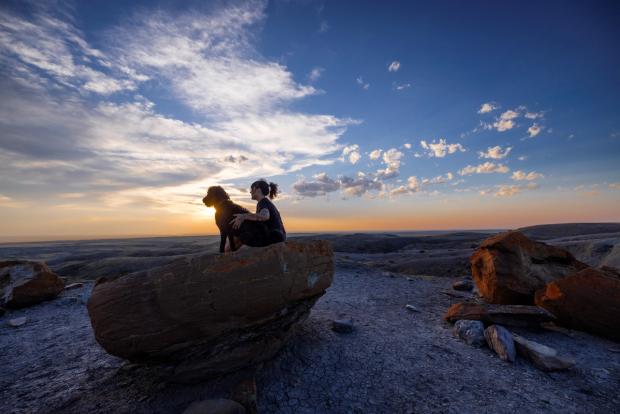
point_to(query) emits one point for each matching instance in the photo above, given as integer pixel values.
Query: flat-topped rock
(508, 268)
(212, 314)
(512, 315)
(24, 283)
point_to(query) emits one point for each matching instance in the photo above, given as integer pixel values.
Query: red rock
(512, 315)
(508, 268)
(212, 314)
(588, 300)
(25, 283)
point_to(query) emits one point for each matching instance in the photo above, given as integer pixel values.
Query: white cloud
(487, 107)
(495, 153)
(352, 153)
(375, 154)
(392, 160)
(123, 150)
(441, 148)
(523, 176)
(315, 74)
(407, 145)
(394, 66)
(402, 86)
(360, 82)
(486, 168)
(615, 186)
(440, 179)
(507, 190)
(323, 27)
(522, 158)
(509, 114)
(534, 130)
(503, 124)
(413, 186)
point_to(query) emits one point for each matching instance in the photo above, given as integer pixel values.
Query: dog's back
(226, 213)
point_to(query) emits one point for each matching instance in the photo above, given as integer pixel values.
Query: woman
(266, 212)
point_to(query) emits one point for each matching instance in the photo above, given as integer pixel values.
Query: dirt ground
(395, 361)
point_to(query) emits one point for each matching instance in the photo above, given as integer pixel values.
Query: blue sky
(116, 118)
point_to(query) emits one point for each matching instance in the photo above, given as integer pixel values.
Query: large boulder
(25, 283)
(588, 300)
(508, 268)
(212, 314)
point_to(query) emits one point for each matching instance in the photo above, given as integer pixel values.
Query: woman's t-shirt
(275, 221)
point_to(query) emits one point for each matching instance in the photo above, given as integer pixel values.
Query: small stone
(215, 406)
(472, 332)
(74, 286)
(411, 308)
(17, 322)
(463, 285)
(342, 326)
(542, 356)
(500, 340)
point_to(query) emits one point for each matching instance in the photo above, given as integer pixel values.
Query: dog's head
(215, 195)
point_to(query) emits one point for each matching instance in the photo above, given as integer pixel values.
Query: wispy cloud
(360, 82)
(495, 153)
(534, 130)
(402, 86)
(62, 130)
(315, 74)
(486, 168)
(394, 66)
(523, 176)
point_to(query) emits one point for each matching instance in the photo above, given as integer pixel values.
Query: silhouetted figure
(266, 212)
(251, 233)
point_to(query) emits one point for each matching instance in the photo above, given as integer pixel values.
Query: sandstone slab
(212, 314)
(500, 340)
(588, 300)
(542, 356)
(512, 315)
(24, 283)
(508, 268)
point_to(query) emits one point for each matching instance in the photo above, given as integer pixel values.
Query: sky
(116, 117)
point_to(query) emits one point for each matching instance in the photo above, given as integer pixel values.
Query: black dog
(224, 212)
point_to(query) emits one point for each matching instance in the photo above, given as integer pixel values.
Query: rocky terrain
(396, 359)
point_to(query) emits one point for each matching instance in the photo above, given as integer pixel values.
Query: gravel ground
(395, 361)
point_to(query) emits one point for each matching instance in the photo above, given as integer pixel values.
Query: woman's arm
(262, 215)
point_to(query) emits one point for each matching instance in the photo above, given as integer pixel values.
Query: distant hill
(554, 231)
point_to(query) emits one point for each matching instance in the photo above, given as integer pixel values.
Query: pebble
(472, 332)
(342, 326)
(17, 322)
(411, 308)
(463, 285)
